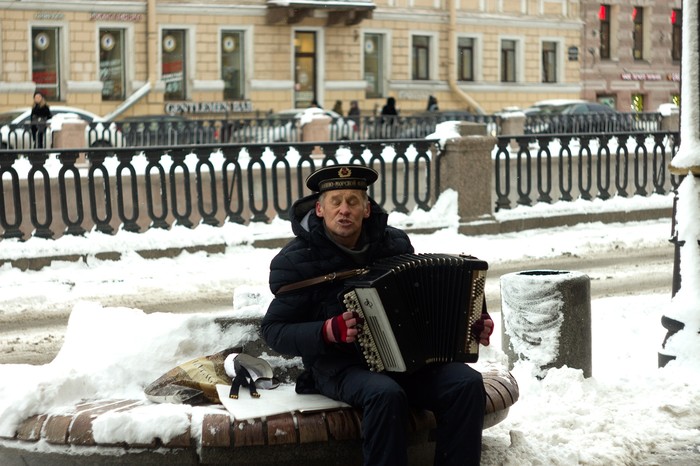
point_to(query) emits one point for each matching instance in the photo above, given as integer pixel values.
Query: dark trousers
(39, 135)
(454, 392)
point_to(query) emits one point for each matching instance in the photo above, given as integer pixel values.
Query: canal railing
(47, 193)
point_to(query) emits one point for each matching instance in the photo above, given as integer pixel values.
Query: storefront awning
(340, 12)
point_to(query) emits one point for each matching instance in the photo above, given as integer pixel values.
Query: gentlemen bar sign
(235, 106)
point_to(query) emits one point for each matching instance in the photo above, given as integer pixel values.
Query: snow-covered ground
(628, 412)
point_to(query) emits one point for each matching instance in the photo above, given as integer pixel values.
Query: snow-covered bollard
(315, 126)
(547, 319)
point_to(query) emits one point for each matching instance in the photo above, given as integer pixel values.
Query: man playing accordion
(340, 228)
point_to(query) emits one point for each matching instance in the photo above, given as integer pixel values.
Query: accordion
(418, 309)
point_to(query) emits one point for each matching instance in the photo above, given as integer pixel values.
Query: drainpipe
(452, 66)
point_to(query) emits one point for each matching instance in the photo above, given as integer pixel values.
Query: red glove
(342, 328)
(482, 329)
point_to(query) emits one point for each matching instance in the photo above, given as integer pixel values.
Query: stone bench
(318, 438)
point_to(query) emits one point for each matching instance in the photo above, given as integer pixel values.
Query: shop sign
(234, 106)
(641, 76)
(50, 16)
(675, 77)
(122, 17)
(413, 95)
(573, 53)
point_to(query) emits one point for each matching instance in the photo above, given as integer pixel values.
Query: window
(549, 62)
(604, 17)
(232, 64)
(112, 65)
(508, 61)
(637, 102)
(676, 34)
(304, 68)
(46, 67)
(607, 99)
(421, 58)
(638, 33)
(465, 59)
(174, 66)
(374, 65)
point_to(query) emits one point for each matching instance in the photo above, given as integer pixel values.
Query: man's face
(343, 211)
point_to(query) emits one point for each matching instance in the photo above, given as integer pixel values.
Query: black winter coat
(294, 321)
(40, 113)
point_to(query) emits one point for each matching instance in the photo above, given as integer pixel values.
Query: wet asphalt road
(36, 339)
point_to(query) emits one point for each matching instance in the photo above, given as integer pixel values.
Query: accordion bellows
(418, 309)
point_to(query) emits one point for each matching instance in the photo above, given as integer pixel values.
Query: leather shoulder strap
(331, 277)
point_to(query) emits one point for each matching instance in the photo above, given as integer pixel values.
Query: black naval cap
(341, 177)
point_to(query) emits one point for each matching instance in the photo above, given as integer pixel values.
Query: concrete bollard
(317, 129)
(547, 319)
(69, 133)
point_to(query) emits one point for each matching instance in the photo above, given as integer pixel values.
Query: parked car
(15, 128)
(551, 106)
(591, 117)
(285, 126)
(573, 116)
(422, 124)
(668, 109)
(166, 130)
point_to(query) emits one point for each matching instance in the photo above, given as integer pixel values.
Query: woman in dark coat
(389, 118)
(40, 115)
(339, 228)
(354, 114)
(432, 104)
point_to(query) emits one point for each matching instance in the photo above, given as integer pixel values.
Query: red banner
(44, 77)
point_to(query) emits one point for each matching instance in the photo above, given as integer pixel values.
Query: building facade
(631, 53)
(244, 58)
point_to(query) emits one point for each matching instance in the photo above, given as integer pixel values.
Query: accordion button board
(418, 309)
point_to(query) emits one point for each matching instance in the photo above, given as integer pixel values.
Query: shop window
(607, 99)
(232, 64)
(421, 57)
(549, 62)
(174, 68)
(465, 58)
(508, 61)
(604, 17)
(112, 64)
(637, 102)
(46, 66)
(676, 34)
(374, 65)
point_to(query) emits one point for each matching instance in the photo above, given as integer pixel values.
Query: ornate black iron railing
(46, 193)
(584, 166)
(189, 185)
(177, 130)
(614, 122)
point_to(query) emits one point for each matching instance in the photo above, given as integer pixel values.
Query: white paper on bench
(282, 399)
